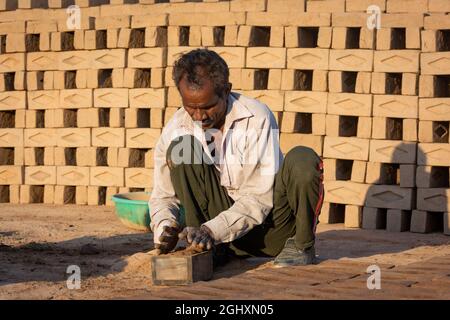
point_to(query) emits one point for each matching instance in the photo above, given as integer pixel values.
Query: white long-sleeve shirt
(249, 159)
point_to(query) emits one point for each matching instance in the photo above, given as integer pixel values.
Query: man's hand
(199, 238)
(168, 238)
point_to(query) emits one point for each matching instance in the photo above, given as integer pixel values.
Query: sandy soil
(39, 242)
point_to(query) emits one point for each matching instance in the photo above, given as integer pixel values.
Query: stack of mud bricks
(81, 109)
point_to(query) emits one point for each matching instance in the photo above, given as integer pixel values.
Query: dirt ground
(38, 243)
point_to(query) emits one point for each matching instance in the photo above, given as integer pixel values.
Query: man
(219, 158)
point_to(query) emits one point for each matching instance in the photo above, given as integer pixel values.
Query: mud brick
(72, 176)
(307, 59)
(86, 156)
(59, 79)
(106, 176)
(15, 42)
(20, 119)
(396, 61)
(373, 218)
(341, 19)
(346, 148)
(112, 157)
(433, 154)
(11, 175)
(351, 60)
(234, 57)
(142, 138)
(304, 101)
(12, 62)
(156, 118)
(247, 6)
(73, 137)
(432, 177)
(391, 197)
(138, 178)
(325, 6)
(274, 99)
(348, 126)
(17, 26)
(423, 221)
(363, 82)
(395, 106)
(205, 19)
(174, 53)
(429, 40)
(150, 20)
(60, 156)
(93, 194)
(435, 63)
(413, 38)
(73, 60)
(409, 84)
(291, 140)
(339, 38)
(147, 98)
(173, 97)
(395, 129)
(112, 38)
(146, 58)
(366, 38)
(42, 61)
(206, 37)
(157, 77)
(231, 35)
(111, 98)
(12, 100)
(35, 80)
(28, 4)
(123, 41)
(88, 118)
(398, 220)
(402, 20)
(436, 109)
(324, 37)
(75, 98)
(149, 159)
(116, 22)
(353, 216)
(33, 194)
(345, 192)
(447, 223)
(48, 80)
(274, 80)
(392, 151)
(43, 99)
(110, 191)
(40, 175)
(108, 59)
(427, 86)
(349, 104)
(293, 19)
(116, 117)
(344, 170)
(406, 6)
(133, 120)
(90, 38)
(266, 58)
(108, 137)
(438, 6)
(11, 137)
(378, 82)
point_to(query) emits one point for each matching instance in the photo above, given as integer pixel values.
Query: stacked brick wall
(82, 108)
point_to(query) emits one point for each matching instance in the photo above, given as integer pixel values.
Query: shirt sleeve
(164, 206)
(254, 198)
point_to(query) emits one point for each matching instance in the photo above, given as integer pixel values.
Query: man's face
(203, 104)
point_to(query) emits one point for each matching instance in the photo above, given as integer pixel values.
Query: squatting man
(219, 160)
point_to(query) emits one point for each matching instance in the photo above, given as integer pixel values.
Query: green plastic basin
(133, 211)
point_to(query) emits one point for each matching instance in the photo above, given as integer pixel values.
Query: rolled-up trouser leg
(298, 196)
(196, 182)
(300, 183)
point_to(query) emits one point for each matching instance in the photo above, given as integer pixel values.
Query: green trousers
(298, 197)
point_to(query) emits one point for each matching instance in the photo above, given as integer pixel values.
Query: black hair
(201, 64)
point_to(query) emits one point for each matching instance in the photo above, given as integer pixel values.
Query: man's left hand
(198, 237)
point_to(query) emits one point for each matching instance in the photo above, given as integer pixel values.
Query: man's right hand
(168, 238)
